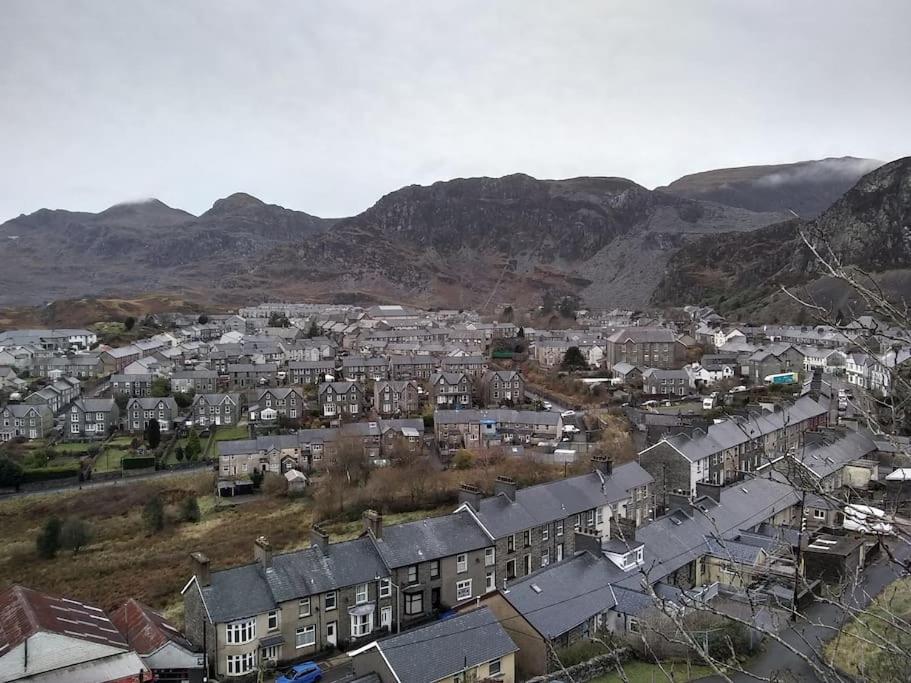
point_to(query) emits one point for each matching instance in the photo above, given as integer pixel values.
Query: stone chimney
(262, 552)
(201, 568)
(470, 495)
(713, 491)
(373, 522)
(604, 464)
(506, 486)
(319, 538)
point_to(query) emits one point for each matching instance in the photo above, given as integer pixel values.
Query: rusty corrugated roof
(146, 630)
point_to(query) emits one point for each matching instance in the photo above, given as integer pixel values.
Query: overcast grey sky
(325, 106)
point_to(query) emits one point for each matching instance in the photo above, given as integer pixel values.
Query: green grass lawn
(71, 447)
(120, 441)
(109, 459)
(642, 672)
(231, 433)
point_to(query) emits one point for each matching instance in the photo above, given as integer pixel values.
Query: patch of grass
(231, 433)
(851, 654)
(71, 447)
(644, 672)
(109, 459)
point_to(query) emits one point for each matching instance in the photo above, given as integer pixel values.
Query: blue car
(307, 672)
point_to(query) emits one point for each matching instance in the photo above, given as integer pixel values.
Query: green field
(80, 448)
(232, 433)
(642, 672)
(109, 459)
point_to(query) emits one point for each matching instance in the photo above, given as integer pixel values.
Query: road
(778, 663)
(123, 481)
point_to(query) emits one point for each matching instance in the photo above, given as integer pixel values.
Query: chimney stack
(373, 522)
(470, 495)
(201, 569)
(604, 464)
(262, 552)
(506, 486)
(319, 538)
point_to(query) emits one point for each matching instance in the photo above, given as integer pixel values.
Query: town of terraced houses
(571, 495)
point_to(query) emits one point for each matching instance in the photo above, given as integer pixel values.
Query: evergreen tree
(74, 534)
(193, 447)
(153, 433)
(573, 359)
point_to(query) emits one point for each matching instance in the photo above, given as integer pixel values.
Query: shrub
(178, 454)
(463, 460)
(275, 484)
(153, 514)
(50, 473)
(75, 534)
(11, 473)
(138, 462)
(189, 510)
(257, 478)
(48, 542)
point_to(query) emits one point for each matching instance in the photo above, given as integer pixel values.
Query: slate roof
(561, 596)
(402, 545)
(313, 571)
(677, 539)
(739, 430)
(823, 459)
(642, 335)
(502, 415)
(447, 647)
(544, 503)
(95, 405)
(151, 403)
(237, 593)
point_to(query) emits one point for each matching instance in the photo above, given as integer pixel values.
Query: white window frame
(309, 634)
(361, 594)
(490, 556)
(461, 563)
(385, 588)
(494, 668)
(303, 607)
(490, 580)
(361, 625)
(273, 620)
(238, 665)
(331, 601)
(240, 632)
(463, 590)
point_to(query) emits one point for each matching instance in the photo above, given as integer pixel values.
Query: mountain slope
(807, 187)
(462, 242)
(139, 246)
(869, 227)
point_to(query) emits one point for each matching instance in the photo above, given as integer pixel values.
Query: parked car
(306, 672)
(548, 405)
(568, 413)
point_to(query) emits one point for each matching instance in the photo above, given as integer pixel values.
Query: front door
(435, 598)
(332, 633)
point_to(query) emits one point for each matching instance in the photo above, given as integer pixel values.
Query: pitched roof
(428, 539)
(543, 503)
(561, 596)
(447, 647)
(505, 415)
(145, 630)
(642, 335)
(25, 612)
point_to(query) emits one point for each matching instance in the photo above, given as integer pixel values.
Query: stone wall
(586, 671)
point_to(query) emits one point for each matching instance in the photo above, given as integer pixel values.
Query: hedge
(49, 473)
(139, 463)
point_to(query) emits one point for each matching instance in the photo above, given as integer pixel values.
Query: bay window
(238, 665)
(240, 632)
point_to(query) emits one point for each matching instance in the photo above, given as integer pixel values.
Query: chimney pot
(470, 495)
(373, 523)
(506, 486)
(319, 538)
(201, 568)
(262, 552)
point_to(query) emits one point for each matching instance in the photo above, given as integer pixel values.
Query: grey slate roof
(638, 335)
(430, 539)
(823, 459)
(561, 596)
(739, 430)
(313, 571)
(543, 503)
(237, 593)
(502, 415)
(446, 647)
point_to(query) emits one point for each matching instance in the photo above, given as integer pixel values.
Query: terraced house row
(288, 606)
